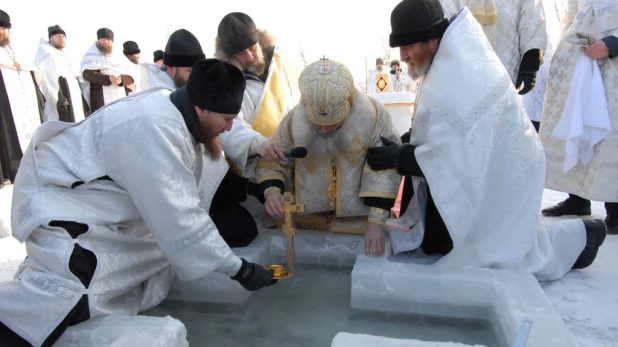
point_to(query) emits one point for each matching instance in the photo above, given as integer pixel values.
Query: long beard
(5, 40)
(213, 147)
(179, 82)
(416, 71)
(258, 69)
(104, 50)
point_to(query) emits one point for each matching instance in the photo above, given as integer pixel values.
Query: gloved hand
(254, 276)
(405, 138)
(382, 158)
(530, 64)
(528, 79)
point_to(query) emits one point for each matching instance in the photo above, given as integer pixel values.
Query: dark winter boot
(595, 235)
(574, 205)
(611, 221)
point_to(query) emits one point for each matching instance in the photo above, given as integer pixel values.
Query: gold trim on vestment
(485, 16)
(271, 108)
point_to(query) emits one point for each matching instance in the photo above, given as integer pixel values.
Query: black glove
(254, 276)
(530, 64)
(405, 138)
(528, 79)
(382, 158)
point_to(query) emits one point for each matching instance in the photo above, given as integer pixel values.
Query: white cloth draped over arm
(585, 119)
(157, 171)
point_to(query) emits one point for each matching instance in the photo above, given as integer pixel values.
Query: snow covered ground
(586, 299)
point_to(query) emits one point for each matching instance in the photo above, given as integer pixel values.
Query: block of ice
(504, 297)
(123, 331)
(323, 248)
(354, 340)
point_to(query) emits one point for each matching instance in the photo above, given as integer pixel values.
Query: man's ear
(434, 44)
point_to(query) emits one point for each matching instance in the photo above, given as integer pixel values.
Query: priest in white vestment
(59, 79)
(235, 223)
(104, 72)
(581, 157)
(21, 102)
(110, 208)
(131, 50)
(474, 148)
(373, 73)
(516, 32)
(272, 86)
(336, 123)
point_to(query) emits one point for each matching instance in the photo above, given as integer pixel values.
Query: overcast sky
(348, 31)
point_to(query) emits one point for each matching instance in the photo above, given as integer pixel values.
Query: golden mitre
(326, 87)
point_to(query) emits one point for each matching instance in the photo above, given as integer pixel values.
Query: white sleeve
(531, 27)
(240, 143)
(153, 160)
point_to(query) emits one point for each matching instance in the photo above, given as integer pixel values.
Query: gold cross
(289, 207)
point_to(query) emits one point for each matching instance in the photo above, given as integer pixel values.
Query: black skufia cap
(5, 20)
(130, 47)
(415, 21)
(216, 86)
(237, 32)
(53, 30)
(182, 49)
(157, 55)
(105, 33)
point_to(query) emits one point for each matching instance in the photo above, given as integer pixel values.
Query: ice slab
(505, 297)
(354, 340)
(308, 310)
(311, 247)
(123, 331)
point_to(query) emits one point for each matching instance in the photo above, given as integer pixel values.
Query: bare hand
(597, 50)
(115, 80)
(374, 240)
(274, 204)
(269, 151)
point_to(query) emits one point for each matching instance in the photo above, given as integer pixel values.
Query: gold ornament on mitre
(326, 87)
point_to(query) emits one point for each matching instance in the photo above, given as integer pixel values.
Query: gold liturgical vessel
(289, 207)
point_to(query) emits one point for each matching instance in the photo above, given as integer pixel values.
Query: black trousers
(437, 239)
(235, 224)
(82, 264)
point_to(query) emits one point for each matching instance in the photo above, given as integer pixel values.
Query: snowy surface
(586, 299)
